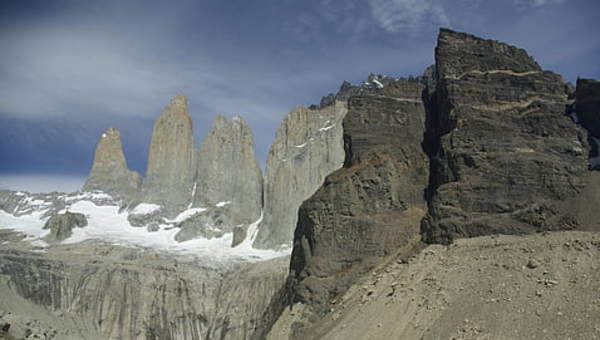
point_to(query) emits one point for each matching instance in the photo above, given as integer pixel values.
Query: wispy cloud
(408, 15)
(536, 3)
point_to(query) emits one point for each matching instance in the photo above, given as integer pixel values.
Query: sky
(69, 69)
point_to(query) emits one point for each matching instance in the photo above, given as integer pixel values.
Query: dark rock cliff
(373, 205)
(480, 144)
(506, 157)
(587, 98)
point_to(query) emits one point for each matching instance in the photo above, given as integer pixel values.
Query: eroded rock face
(506, 157)
(227, 171)
(123, 293)
(170, 172)
(61, 225)
(373, 205)
(308, 146)
(207, 224)
(587, 96)
(109, 171)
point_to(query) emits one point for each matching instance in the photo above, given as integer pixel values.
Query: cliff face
(373, 205)
(308, 146)
(587, 96)
(506, 156)
(124, 293)
(170, 172)
(480, 145)
(109, 171)
(227, 171)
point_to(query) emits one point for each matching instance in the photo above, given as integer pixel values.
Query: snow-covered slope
(108, 222)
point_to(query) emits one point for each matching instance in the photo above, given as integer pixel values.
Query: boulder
(206, 224)
(239, 235)
(61, 225)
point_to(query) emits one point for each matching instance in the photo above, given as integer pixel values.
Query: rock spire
(109, 171)
(170, 171)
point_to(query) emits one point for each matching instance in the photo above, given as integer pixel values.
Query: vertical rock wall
(507, 157)
(308, 146)
(373, 205)
(227, 171)
(170, 172)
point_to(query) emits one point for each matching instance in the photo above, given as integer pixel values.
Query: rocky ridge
(373, 205)
(504, 158)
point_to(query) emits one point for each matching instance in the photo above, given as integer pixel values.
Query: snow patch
(222, 204)
(327, 127)
(184, 215)
(89, 195)
(107, 224)
(145, 209)
(379, 84)
(301, 145)
(30, 225)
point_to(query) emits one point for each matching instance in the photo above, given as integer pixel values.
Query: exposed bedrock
(506, 158)
(109, 171)
(61, 225)
(125, 293)
(373, 205)
(170, 172)
(308, 146)
(227, 171)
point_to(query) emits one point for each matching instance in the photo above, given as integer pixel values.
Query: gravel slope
(541, 286)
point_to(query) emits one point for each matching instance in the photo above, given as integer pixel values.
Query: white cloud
(408, 15)
(537, 3)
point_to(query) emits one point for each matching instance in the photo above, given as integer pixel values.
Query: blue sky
(69, 69)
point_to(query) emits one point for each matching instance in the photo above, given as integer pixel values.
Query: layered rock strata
(374, 204)
(506, 158)
(308, 146)
(170, 172)
(227, 171)
(109, 171)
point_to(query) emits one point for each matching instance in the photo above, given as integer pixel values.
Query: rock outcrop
(227, 171)
(170, 172)
(207, 224)
(373, 205)
(61, 225)
(587, 100)
(125, 293)
(109, 171)
(506, 157)
(308, 146)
